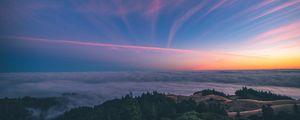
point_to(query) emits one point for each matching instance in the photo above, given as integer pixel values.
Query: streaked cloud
(216, 6)
(283, 33)
(108, 45)
(277, 8)
(182, 19)
(199, 34)
(184, 59)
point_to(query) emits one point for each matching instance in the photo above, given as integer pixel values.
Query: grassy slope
(249, 104)
(283, 107)
(247, 107)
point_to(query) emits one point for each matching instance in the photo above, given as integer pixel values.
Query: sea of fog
(107, 85)
(91, 88)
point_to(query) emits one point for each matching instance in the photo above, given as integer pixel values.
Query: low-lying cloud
(92, 88)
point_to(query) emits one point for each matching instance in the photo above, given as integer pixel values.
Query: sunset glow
(149, 35)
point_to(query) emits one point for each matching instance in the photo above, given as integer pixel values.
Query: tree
(132, 107)
(267, 112)
(186, 105)
(192, 115)
(238, 114)
(281, 115)
(23, 108)
(296, 109)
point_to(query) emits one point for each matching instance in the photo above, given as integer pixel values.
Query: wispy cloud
(73, 42)
(294, 45)
(131, 25)
(276, 9)
(216, 6)
(182, 19)
(193, 11)
(283, 33)
(122, 9)
(259, 5)
(192, 57)
(146, 48)
(153, 12)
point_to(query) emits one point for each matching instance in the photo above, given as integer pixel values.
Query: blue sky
(108, 35)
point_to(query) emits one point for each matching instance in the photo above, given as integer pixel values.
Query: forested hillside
(148, 106)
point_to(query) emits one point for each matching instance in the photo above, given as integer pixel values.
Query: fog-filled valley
(75, 89)
(114, 84)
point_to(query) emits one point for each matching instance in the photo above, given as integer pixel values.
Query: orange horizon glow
(167, 35)
(283, 58)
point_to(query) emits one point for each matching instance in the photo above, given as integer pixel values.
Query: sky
(132, 35)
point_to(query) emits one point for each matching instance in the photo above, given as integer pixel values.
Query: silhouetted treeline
(23, 108)
(249, 93)
(210, 92)
(148, 106)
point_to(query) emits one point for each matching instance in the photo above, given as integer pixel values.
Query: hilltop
(202, 105)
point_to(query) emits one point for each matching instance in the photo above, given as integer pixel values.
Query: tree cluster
(18, 108)
(249, 93)
(210, 92)
(148, 106)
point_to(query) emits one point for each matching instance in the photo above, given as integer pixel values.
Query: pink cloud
(108, 45)
(286, 32)
(277, 8)
(217, 5)
(251, 9)
(148, 10)
(155, 8)
(243, 12)
(295, 45)
(134, 47)
(125, 7)
(153, 12)
(260, 5)
(156, 57)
